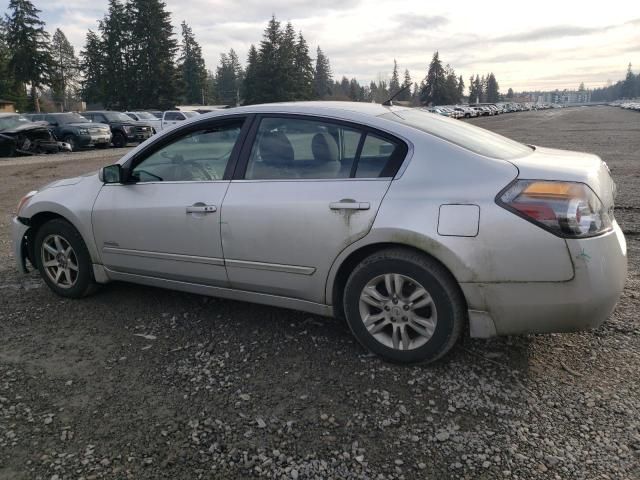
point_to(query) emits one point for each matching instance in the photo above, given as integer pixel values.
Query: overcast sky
(533, 45)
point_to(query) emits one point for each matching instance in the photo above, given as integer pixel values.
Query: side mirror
(111, 174)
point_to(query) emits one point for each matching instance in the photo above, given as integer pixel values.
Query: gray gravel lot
(138, 382)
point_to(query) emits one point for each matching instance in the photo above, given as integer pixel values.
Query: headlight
(24, 200)
(83, 131)
(567, 209)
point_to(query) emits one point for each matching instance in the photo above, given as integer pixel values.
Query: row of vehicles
(29, 134)
(635, 105)
(486, 109)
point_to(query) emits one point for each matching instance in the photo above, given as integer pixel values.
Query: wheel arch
(353, 255)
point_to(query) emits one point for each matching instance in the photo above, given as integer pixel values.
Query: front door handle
(201, 208)
(349, 204)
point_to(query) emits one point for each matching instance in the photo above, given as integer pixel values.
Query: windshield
(117, 117)
(476, 139)
(145, 116)
(190, 114)
(12, 121)
(63, 118)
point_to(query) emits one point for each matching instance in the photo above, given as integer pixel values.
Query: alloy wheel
(60, 261)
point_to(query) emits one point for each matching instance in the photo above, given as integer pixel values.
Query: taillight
(567, 209)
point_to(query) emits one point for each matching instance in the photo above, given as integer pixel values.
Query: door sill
(228, 293)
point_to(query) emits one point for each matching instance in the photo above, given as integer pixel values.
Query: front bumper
(19, 240)
(600, 266)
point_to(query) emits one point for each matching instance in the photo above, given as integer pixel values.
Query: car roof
(312, 108)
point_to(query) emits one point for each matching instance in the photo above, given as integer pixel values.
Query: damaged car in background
(20, 136)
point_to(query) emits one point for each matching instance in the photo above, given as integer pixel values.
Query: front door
(305, 190)
(166, 222)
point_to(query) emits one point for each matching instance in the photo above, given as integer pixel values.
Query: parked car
(75, 130)
(412, 226)
(21, 136)
(146, 117)
(174, 117)
(467, 112)
(124, 130)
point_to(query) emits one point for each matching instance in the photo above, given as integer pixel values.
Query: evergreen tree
(7, 82)
(251, 83)
(269, 72)
(473, 90)
(28, 44)
(510, 93)
(629, 84)
(394, 84)
(322, 78)
(229, 79)
(354, 90)
(116, 46)
(64, 74)
(493, 90)
(155, 48)
(450, 96)
(304, 72)
(93, 86)
(460, 88)
(433, 92)
(480, 88)
(193, 74)
(407, 84)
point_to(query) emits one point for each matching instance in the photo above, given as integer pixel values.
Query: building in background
(7, 106)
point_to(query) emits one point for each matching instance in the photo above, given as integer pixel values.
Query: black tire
(71, 140)
(118, 140)
(437, 280)
(84, 282)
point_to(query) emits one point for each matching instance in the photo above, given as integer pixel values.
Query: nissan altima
(413, 227)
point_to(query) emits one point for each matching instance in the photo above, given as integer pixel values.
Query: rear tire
(404, 306)
(63, 259)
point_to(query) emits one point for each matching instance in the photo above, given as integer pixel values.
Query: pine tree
(269, 74)
(493, 90)
(116, 45)
(480, 88)
(28, 44)
(155, 48)
(460, 88)
(405, 96)
(450, 96)
(510, 93)
(251, 81)
(322, 79)
(629, 84)
(473, 90)
(433, 92)
(394, 84)
(93, 87)
(304, 71)
(193, 74)
(7, 82)
(229, 79)
(64, 74)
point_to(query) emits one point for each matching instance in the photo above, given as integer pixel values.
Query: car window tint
(195, 157)
(376, 154)
(290, 148)
(173, 116)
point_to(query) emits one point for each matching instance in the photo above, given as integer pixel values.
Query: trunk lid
(552, 164)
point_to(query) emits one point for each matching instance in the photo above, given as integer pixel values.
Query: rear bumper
(19, 242)
(600, 266)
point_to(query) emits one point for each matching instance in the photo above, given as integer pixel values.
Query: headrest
(324, 148)
(275, 149)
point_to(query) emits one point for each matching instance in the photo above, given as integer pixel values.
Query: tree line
(624, 89)
(135, 60)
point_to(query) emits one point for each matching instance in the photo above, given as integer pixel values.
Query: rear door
(305, 189)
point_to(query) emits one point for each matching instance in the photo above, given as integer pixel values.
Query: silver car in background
(412, 226)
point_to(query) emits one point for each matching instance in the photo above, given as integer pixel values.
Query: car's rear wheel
(404, 306)
(63, 259)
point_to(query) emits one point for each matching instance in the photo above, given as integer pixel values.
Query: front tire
(119, 141)
(63, 259)
(404, 306)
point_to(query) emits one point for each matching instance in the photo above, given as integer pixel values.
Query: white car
(414, 227)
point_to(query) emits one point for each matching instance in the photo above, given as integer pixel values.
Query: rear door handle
(201, 208)
(349, 204)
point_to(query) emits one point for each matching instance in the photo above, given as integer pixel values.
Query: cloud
(548, 33)
(410, 22)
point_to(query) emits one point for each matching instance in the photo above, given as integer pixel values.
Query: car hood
(553, 164)
(84, 125)
(24, 128)
(65, 182)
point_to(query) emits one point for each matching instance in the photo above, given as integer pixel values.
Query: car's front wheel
(63, 259)
(404, 306)
(119, 141)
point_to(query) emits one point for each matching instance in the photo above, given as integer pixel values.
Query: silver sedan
(412, 226)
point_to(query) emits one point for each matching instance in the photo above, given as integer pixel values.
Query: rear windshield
(476, 139)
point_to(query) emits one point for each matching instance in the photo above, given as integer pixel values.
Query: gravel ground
(138, 382)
